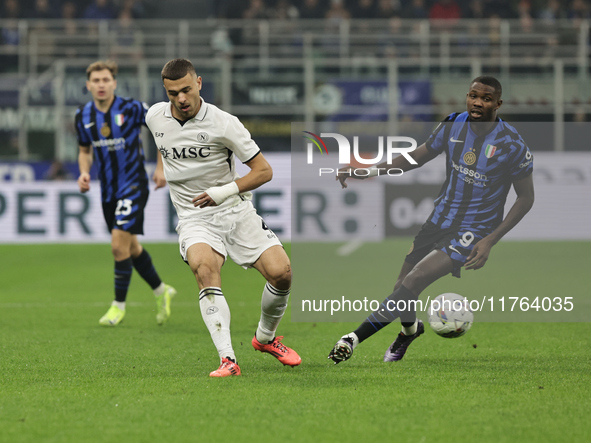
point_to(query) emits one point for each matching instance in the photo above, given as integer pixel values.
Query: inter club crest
(469, 158)
(105, 130)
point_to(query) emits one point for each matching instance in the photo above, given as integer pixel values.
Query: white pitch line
(349, 247)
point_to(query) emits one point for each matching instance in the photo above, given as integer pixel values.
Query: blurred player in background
(197, 143)
(485, 156)
(110, 126)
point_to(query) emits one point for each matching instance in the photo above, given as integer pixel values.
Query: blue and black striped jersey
(115, 137)
(480, 171)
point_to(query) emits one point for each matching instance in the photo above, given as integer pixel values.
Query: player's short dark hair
(177, 68)
(100, 65)
(489, 80)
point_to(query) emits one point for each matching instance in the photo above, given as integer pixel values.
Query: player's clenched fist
(84, 182)
(159, 179)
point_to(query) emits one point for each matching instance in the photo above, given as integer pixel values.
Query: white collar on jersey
(200, 115)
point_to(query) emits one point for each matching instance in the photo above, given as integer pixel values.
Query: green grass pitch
(63, 378)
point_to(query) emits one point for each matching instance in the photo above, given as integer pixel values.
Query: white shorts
(237, 231)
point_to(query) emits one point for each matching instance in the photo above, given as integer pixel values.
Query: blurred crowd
(69, 9)
(411, 9)
(303, 9)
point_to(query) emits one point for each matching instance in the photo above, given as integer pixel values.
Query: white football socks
(353, 337)
(273, 305)
(216, 315)
(411, 330)
(119, 304)
(160, 289)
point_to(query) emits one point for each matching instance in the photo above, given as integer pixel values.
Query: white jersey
(199, 154)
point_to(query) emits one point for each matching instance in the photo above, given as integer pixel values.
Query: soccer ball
(450, 315)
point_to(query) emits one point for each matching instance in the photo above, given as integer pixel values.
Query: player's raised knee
(414, 280)
(280, 277)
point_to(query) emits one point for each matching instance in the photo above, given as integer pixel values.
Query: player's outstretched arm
(421, 155)
(524, 189)
(158, 176)
(84, 164)
(259, 174)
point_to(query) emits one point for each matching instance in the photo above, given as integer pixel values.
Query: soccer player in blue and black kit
(485, 156)
(110, 127)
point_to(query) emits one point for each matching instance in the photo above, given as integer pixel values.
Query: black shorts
(127, 213)
(457, 242)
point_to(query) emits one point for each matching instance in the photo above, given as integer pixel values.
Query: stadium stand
(276, 61)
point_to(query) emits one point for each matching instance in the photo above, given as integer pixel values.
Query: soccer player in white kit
(197, 143)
